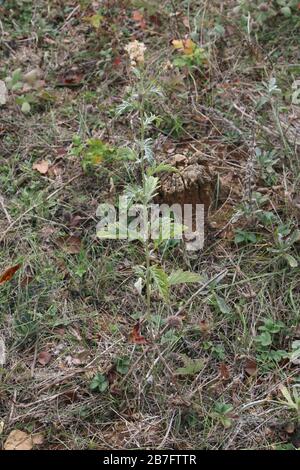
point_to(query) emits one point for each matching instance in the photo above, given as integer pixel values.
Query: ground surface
(75, 375)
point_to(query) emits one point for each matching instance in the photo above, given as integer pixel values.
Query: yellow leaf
(178, 43)
(187, 46)
(97, 159)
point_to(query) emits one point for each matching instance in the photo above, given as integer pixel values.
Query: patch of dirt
(193, 183)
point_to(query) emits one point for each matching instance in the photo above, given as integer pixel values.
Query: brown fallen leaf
(205, 327)
(18, 440)
(55, 170)
(117, 61)
(44, 358)
(174, 322)
(8, 274)
(70, 244)
(71, 79)
(75, 221)
(26, 280)
(135, 335)
(37, 439)
(224, 371)
(250, 367)
(42, 167)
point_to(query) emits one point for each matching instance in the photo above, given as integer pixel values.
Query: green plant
(216, 350)
(262, 11)
(122, 365)
(94, 152)
(191, 55)
(267, 353)
(291, 399)
(191, 366)
(266, 160)
(99, 383)
(284, 240)
(18, 82)
(142, 92)
(222, 413)
(268, 330)
(243, 236)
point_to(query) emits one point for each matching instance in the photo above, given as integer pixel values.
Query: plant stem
(146, 243)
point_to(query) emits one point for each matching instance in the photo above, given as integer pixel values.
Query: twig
(168, 431)
(5, 210)
(34, 360)
(69, 17)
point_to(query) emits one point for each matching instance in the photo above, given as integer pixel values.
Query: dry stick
(34, 207)
(5, 210)
(70, 17)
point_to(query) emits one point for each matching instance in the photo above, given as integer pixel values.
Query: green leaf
(285, 392)
(286, 11)
(162, 167)
(150, 187)
(291, 260)
(242, 236)
(295, 354)
(271, 326)
(192, 367)
(160, 281)
(183, 277)
(99, 383)
(222, 305)
(264, 339)
(25, 108)
(122, 365)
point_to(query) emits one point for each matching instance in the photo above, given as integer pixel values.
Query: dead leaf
(186, 21)
(290, 427)
(138, 17)
(70, 396)
(174, 322)
(70, 245)
(47, 231)
(32, 76)
(56, 170)
(224, 371)
(135, 335)
(117, 61)
(18, 440)
(26, 280)
(42, 167)
(205, 327)
(37, 439)
(44, 358)
(70, 79)
(250, 367)
(8, 274)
